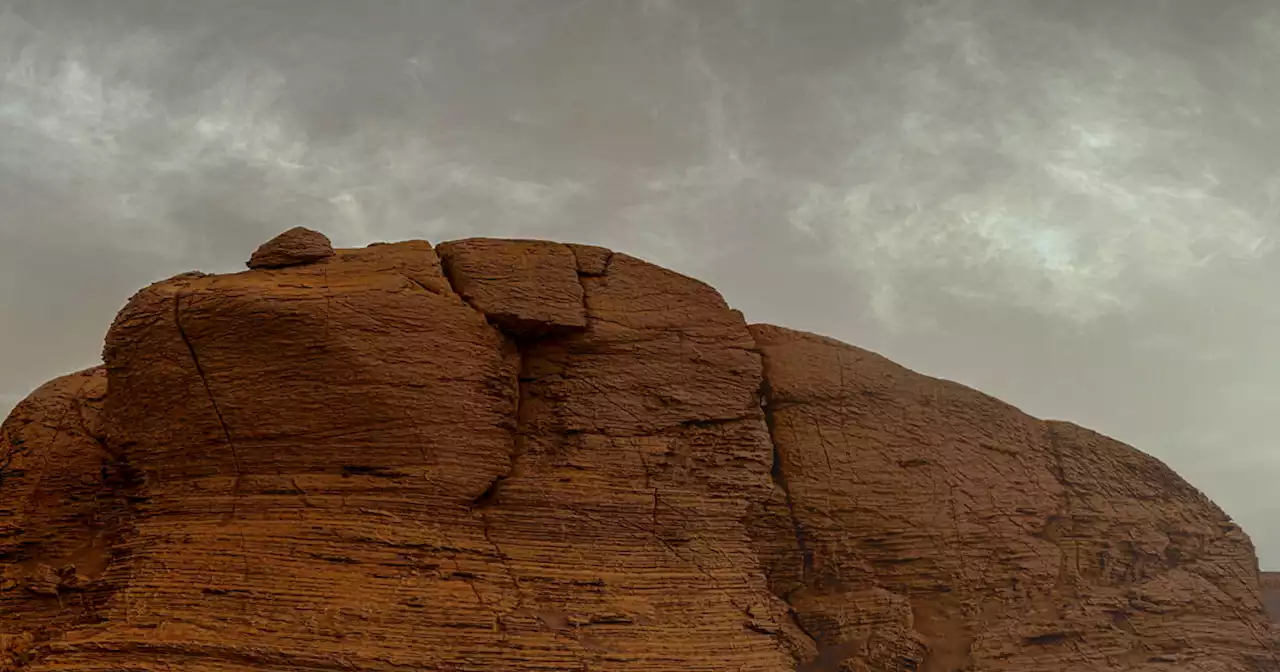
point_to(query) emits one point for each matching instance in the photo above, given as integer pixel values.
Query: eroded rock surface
(294, 247)
(63, 511)
(968, 535)
(527, 287)
(523, 455)
(1271, 594)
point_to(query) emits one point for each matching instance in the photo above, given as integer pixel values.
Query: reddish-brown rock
(953, 530)
(1271, 594)
(538, 456)
(294, 247)
(526, 287)
(62, 511)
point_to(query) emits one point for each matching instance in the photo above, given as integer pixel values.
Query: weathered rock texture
(294, 247)
(522, 455)
(1271, 594)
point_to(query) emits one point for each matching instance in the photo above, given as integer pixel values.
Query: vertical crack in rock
(490, 495)
(778, 472)
(586, 310)
(483, 503)
(449, 272)
(582, 277)
(217, 412)
(599, 269)
(487, 499)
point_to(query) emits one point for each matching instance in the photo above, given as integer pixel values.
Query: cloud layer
(1072, 205)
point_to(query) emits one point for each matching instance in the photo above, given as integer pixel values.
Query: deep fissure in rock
(778, 473)
(823, 659)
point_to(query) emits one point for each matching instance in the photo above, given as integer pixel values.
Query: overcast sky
(1070, 205)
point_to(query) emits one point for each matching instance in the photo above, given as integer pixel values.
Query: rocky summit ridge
(526, 455)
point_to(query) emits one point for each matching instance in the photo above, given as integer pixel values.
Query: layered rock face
(1271, 593)
(524, 455)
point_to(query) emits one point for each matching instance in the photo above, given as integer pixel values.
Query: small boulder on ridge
(294, 247)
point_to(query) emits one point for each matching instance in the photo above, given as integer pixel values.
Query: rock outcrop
(294, 247)
(524, 455)
(1270, 584)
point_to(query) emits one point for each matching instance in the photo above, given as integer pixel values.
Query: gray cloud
(1031, 181)
(1071, 205)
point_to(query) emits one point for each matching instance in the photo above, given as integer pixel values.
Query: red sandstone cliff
(521, 455)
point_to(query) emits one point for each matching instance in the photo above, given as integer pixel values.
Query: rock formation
(1270, 584)
(294, 247)
(524, 455)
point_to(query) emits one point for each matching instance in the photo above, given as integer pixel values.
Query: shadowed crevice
(449, 271)
(583, 275)
(777, 471)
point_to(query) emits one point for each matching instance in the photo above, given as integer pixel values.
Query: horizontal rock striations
(525, 455)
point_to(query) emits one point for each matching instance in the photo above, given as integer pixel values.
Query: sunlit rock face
(526, 455)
